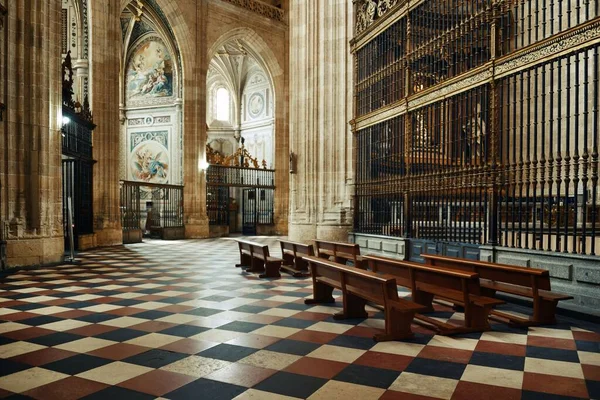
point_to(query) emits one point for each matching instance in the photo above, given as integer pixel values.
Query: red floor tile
(553, 384)
(383, 360)
(508, 349)
(18, 316)
(311, 316)
(157, 382)
(446, 354)
(28, 333)
(587, 336)
(313, 336)
(152, 326)
(393, 395)
(125, 311)
(119, 351)
(43, 356)
(316, 367)
(591, 372)
(188, 346)
(70, 388)
(92, 330)
(543, 341)
(471, 391)
(363, 331)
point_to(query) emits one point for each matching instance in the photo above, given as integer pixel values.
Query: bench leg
(321, 294)
(476, 317)
(397, 325)
(544, 312)
(424, 299)
(354, 307)
(271, 270)
(245, 261)
(256, 265)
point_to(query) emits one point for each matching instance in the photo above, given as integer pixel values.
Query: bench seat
(359, 287)
(530, 283)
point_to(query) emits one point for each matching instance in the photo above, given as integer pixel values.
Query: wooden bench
(532, 283)
(358, 287)
(256, 257)
(426, 282)
(339, 252)
(293, 261)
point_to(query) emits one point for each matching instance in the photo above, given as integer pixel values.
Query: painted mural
(150, 71)
(149, 162)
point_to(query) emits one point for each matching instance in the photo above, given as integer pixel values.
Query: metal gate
(257, 196)
(249, 214)
(153, 209)
(77, 185)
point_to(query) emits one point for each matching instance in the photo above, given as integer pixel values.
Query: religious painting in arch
(150, 71)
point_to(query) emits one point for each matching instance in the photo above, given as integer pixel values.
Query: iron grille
(509, 159)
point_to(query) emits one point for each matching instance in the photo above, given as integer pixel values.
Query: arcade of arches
(132, 130)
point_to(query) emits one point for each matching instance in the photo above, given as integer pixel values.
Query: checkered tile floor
(177, 320)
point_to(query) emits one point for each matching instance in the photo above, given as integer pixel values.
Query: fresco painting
(149, 162)
(150, 71)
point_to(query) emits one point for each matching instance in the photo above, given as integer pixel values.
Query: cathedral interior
(287, 199)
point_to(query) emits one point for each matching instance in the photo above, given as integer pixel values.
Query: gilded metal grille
(494, 135)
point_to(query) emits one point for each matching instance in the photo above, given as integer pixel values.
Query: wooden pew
(293, 261)
(339, 252)
(256, 257)
(358, 287)
(526, 282)
(426, 282)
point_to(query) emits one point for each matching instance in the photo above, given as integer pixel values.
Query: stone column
(30, 139)
(320, 111)
(194, 131)
(105, 42)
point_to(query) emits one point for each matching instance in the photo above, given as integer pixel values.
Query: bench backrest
(414, 275)
(337, 249)
(296, 249)
(365, 284)
(253, 248)
(515, 275)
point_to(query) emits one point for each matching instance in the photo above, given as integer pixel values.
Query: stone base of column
(109, 237)
(197, 230)
(335, 233)
(302, 232)
(86, 242)
(38, 251)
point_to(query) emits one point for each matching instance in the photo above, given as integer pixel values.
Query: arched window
(222, 104)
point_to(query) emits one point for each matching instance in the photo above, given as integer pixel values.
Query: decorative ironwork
(475, 151)
(266, 10)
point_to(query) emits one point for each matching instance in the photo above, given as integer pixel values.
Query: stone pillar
(30, 139)
(105, 40)
(320, 111)
(194, 132)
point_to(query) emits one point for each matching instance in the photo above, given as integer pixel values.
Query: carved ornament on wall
(368, 11)
(261, 8)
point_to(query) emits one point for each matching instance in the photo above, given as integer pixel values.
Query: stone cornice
(261, 8)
